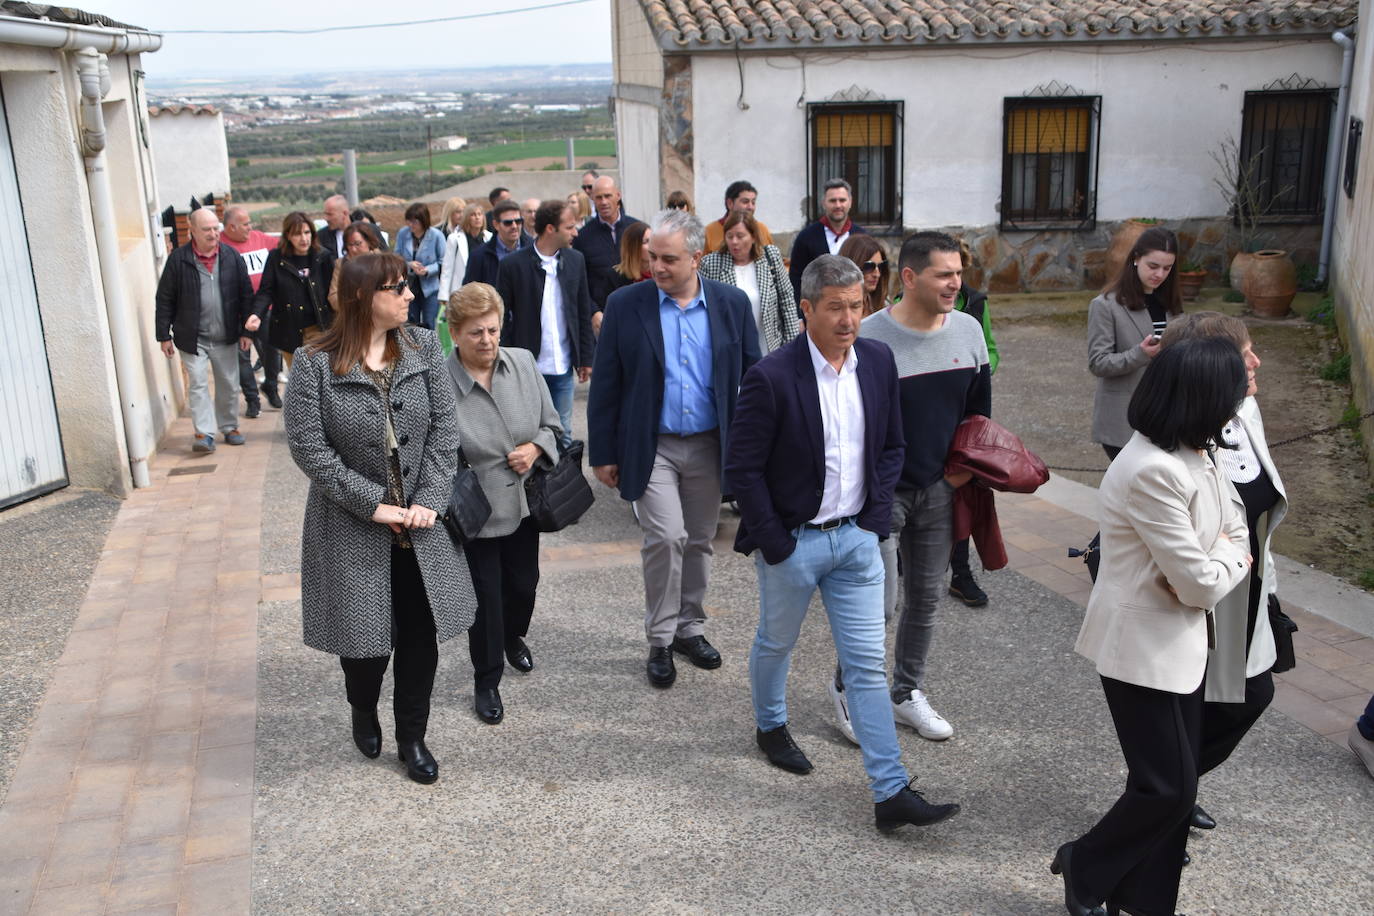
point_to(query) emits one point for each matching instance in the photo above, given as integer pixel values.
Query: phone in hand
(1159, 328)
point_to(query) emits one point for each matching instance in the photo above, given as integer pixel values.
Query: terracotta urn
(1271, 282)
(1122, 242)
(1239, 265)
(1190, 283)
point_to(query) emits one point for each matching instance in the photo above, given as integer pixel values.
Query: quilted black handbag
(559, 497)
(468, 508)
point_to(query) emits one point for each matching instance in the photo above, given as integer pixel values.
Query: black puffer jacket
(177, 315)
(296, 300)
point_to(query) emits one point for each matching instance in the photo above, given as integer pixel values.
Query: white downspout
(94, 74)
(1335, 147)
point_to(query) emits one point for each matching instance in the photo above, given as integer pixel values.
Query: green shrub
(1366, 580)
(1233, 295)
(1338, 370)
(1323, 313)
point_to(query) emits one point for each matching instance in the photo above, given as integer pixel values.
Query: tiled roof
(687, 24)
(64, 14)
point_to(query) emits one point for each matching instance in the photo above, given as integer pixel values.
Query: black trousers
(1112, 451)
(1224, 724)
(505, 575)
(1134, 854)
(271, 366)
(958, 559)
(415, 644)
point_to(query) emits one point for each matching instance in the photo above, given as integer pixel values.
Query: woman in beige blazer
(1173, 545)
(1121, 331)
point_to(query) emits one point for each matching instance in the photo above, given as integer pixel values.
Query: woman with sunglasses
(744, 262)
(370, 420)
(867, 252)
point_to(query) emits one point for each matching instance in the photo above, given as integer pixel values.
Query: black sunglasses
(868, 266)
(587, 188)
(510, 222)
(396, 288)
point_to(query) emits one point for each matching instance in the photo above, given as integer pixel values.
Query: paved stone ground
(166, 772)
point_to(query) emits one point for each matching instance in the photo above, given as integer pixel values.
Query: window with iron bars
(861, 143)
(1049, 162)
(1285, 135)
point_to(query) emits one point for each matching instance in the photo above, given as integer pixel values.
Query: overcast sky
(571, 34)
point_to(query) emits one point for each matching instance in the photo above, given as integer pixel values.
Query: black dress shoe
(1201, 819)
(782, 751)
(518, 654)
(909, 807)
(270, 392)
(487, 702)
(254, 410)
(662, 672)
(1115, 909)
(698, 651)
(1063, 864)
(367, 731)
(420, 763)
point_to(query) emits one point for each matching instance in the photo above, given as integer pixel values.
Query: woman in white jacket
(469, 232)
(1174, 544)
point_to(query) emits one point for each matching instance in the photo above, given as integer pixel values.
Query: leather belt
(831, 525)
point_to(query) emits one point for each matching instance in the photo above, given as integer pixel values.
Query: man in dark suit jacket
(825, 235)
(814, 455)
(668, 366)
(509, 238)
(552, 321)
(599, 238)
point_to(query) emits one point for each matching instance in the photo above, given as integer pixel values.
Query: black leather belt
(830, 525)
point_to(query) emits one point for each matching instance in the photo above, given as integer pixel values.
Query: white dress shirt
(555, 349)
(833, 241)
(842, 420)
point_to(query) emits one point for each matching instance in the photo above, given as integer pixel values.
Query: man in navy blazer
(814, 456)
(552, 321)
(664, 386)
(825, 235)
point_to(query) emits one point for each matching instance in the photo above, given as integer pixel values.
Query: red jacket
(998, 461)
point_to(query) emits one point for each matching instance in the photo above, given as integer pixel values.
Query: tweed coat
(779, 321)
(1115, 357)
(491, 424)
(336, 428)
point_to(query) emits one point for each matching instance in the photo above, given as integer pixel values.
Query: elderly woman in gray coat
(508, 426)
(1122, 331)
(369, 419)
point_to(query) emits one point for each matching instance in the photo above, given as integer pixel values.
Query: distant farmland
(474, 158)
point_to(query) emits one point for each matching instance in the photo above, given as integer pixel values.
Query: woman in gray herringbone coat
(757, 269)
(369, 418)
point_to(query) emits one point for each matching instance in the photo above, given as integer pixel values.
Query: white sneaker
(916, 713)
(842, 713)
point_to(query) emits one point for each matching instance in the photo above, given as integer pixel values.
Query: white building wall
(1165, 107)
(191, 156)
(636, 56)
(637, 154)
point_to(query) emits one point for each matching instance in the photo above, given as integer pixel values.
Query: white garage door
(31, 459)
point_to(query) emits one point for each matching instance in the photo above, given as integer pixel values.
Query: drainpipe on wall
(93, 71)
(1335, 146)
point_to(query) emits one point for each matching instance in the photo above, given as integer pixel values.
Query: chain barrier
(1347, 424)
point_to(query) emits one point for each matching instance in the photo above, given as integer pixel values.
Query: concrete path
(190, 755)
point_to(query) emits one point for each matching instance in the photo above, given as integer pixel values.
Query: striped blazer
(778, 315)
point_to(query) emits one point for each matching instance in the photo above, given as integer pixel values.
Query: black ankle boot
(420, 763)
(367, 731)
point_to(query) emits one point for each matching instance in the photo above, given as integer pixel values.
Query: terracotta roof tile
(684, 24)
(178, 109)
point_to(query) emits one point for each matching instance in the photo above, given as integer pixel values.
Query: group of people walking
(816, 395)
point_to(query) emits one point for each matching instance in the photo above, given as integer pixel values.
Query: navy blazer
(520, 281)
(625, 402)
(809, 245)
(775, 466)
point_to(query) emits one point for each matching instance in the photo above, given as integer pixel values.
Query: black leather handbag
(559, 497)
(1284, 628)
(468, 508)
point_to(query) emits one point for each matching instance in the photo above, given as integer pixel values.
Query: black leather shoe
(1114, 909)
(782, 751)
(1201, 819)
(518, 654)
(254, 410)
(487, 702)
(270, 392)
(420, 763)
(367, 731)
(1063, 864)
(698, 651)
(662, 672)
(909, 807)
(965, 588)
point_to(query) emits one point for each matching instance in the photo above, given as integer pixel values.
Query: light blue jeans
(845, 565)
(561, 393)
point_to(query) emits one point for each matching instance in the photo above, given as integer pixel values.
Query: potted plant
(1191, 276)
(1242, 188)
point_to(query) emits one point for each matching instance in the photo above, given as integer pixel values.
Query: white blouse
(747, 279)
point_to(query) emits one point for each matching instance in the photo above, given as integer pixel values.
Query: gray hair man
(664, 387)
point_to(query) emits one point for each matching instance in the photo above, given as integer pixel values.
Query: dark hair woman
(867, 252)
(743, 261)
(1173, 545)
(678, 200)
(360, 238)
(632, 267)
(1124, 324)
(422, 245)
(369, 419)
(291, 297)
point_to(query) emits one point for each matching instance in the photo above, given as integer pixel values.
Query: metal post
(429, 146)
(571, 162)
(350, 167)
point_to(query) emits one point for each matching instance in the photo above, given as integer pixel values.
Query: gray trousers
(223, 358)
(923, 529)
(678, 513)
